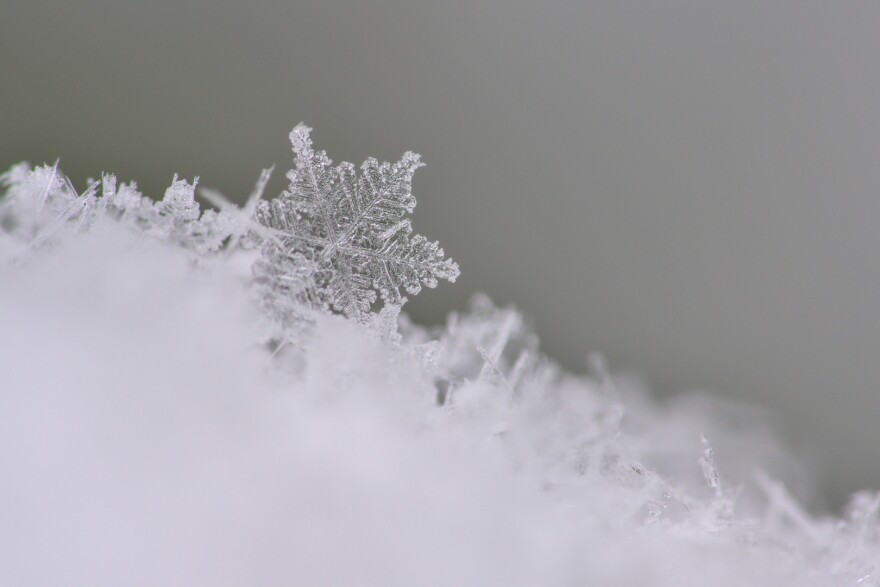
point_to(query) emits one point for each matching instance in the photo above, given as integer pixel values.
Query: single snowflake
(350, 232)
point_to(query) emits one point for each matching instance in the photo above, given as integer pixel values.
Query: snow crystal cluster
(232, 397)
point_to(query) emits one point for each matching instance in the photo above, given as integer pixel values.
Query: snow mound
(154, 430)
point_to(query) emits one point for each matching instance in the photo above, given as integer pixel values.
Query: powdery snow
(155, 431)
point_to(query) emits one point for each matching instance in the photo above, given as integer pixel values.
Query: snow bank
(152, 432)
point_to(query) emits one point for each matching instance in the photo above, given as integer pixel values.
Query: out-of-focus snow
(149, 437)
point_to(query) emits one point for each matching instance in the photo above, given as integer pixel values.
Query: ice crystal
(41, 203)
(487, 344)
(343, 238)
(333, 241)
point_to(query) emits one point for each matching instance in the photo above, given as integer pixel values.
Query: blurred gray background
(692, 188)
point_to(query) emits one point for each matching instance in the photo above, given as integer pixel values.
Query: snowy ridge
(211, 398)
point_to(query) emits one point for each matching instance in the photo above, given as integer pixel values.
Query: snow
(152, 432)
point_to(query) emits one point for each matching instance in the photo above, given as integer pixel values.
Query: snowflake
(343, 241)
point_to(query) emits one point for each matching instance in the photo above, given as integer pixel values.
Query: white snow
(148, 436)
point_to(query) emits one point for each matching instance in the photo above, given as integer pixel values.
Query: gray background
(692, 188)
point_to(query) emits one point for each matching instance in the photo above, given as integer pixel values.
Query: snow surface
(150, 436)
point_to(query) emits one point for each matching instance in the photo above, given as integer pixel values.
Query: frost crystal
(40, 204)
(343, 239)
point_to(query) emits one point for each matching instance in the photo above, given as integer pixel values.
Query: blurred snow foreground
(231, 398)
